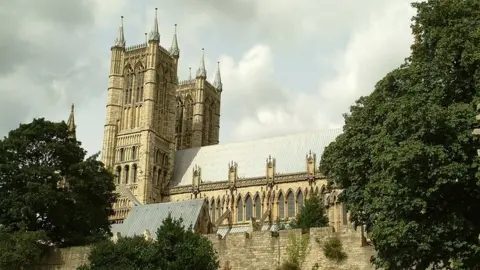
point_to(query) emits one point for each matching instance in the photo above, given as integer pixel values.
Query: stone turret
(114, 100)
(71, 123)
(199, 103)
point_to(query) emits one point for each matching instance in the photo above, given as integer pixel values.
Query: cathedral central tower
(150, 115)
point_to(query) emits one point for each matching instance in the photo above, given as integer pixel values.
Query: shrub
(333, 249)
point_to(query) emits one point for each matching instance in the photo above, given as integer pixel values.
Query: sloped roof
(150, 217)
(289, 152)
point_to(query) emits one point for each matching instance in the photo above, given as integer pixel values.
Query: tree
(311, 215)
(407, 157)
(21, 250)
(176, 248)
(46, 184)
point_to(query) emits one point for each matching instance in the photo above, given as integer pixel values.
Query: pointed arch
(258, 206)
(127, 174)
(248, 207)
(212, 210)
(281, 205)
(135, 172)
(219, 207)
(139, 66)
(300, 201)
(290, 203)
(239, 209)
(179, 114)
(119, 175)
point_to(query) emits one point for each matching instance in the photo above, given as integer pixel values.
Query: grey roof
(150, 217)
(289, 152)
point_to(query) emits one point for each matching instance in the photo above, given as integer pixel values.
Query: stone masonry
(259, 250)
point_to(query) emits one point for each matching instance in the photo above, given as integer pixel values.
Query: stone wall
(258, 250)
(262, 251)
(66, 258)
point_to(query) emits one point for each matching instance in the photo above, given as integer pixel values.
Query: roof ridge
(270, 138)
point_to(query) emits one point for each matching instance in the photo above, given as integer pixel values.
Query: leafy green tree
(311, 215)
(21, 250)
(175, 249)
(183, 249)
(46, 184)
(407, 157)
(129, 253)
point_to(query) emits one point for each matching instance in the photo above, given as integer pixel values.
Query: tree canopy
(407, 157)
(21, 250)
(311, 215)
(175, 248)
(47, 184)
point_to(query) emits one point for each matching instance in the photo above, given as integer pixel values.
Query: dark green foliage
(287, 265)
(129, 253)
(175, 249)
(311, 215)
(407, 157)
(333, 249)
(21, 250)
(33, 160)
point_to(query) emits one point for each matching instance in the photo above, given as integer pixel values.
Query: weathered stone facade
(257, 250)
(152, 116)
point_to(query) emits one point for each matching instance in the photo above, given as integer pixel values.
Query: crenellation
(133, 48)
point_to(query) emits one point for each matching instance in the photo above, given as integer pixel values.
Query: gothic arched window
(119, 174)
(281, 206)
(134, 153)
(122, 154)
(248, 208)
(219, 208)
(212, 210)
(127, 174)
(258, 207)
(291, 204)
(239, 209)
(300, 201)
(134, 173)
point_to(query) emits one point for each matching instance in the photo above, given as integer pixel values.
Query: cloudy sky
(288, 66)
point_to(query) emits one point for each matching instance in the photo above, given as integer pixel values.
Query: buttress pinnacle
(201, 71)
(174, 50)
(71, 122)
(217, 83)
(120, 40)
(154, 34)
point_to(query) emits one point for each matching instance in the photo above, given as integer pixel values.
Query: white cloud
(379, 45)
(268, 51)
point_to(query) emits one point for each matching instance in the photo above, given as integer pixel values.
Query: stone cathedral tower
(150, 115)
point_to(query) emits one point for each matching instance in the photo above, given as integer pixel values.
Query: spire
(217, 83)
(146, 38)
(174, 50)
(201, 72)
(120, 40)
(71, 122)
(154, 34)
(190, 73)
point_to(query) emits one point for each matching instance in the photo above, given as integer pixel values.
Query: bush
(311, 215)
(297, 251)
(333, 249)
(176, 248)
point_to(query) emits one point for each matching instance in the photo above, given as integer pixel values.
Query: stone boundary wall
(257, 250)
(264, 251)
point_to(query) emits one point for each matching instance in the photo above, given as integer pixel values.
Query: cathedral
(161, 141)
